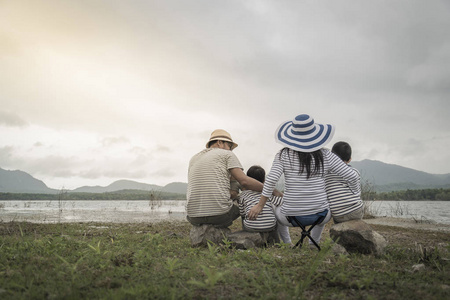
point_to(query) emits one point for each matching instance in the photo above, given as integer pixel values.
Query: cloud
(11, 120)
(115, 172)
(433, 73)
(6, 153)
(163, 149)
(109, 141)
(165, 173)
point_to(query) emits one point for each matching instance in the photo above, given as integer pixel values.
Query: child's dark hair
(343, 150)
(257, 173)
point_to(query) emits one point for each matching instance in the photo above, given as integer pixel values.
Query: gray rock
(248, 240)
(201, 235)
(270, 237)
(357, 236)
(338, 250)
(418, 267)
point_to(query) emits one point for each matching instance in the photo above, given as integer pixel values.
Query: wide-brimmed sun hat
(221, 135)
(303, 134)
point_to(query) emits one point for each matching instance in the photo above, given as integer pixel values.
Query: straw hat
(222, 135)
(303, 134)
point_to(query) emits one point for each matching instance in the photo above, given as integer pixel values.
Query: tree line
(119, 195)
(411, 195)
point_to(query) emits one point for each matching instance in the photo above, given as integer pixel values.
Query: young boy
(266, 221)
(345, 204)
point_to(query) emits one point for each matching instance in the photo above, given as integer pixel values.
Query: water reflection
(115, 211)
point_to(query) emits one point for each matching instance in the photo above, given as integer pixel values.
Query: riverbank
(409, 223)
(156, 261)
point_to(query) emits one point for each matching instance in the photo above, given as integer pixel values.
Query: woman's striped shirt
(266, 219)
(304, 196)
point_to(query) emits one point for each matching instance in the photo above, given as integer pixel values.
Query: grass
(156, 261)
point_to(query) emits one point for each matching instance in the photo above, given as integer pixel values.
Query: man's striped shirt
(208, 192)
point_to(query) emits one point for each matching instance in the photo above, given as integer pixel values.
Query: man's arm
(245, 181)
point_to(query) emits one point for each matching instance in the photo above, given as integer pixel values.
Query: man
(208, 194)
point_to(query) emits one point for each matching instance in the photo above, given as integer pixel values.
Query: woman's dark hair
(343, 150)
(306, 160)
(257, 173)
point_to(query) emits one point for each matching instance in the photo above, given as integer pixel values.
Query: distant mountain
(176, 187)
(117, 186)
(389, 177)
(384, 177)
(22, 182)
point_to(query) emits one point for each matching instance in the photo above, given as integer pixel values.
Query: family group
(317, 182)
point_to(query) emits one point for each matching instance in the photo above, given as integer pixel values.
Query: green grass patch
(156, 261)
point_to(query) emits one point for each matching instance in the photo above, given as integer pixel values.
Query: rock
(270, 237)
(418, 267)
(338, 249)
(248, 240)
(201, 235)
(358, 237)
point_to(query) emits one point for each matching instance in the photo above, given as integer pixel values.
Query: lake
(120, 211)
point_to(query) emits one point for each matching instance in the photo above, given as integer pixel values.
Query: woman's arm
(272, 177)
(269, 188)
(257, 209)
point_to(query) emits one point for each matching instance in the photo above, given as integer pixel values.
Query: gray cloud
(96, 173)
(6, 153)
(11, 119)
(167, 173)
(109, 141)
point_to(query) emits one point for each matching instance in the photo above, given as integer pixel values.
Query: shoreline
(409, 223)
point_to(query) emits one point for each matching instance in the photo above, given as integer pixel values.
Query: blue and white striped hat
(302, 134)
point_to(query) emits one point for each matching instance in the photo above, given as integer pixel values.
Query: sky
(93, 91)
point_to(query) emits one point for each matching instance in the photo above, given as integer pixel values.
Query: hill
(22, 182)
(176, 187)
(384, 177)
(390, 177)
(117, 186)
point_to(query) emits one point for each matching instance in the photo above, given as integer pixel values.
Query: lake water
(115, 211)
(119, 211)
(434, 211)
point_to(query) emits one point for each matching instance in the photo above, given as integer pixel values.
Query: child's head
(343, 150)
(257, 173)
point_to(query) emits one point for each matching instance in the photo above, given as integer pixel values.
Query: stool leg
(300, 242)
(306, 232)
(314, 242)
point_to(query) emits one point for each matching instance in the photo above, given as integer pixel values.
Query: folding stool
(297, 222)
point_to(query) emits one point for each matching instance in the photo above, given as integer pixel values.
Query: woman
(304, 162)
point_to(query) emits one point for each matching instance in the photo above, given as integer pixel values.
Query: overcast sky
(96, 91)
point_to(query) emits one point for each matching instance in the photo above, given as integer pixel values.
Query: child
(266, 221)
(344, 204)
